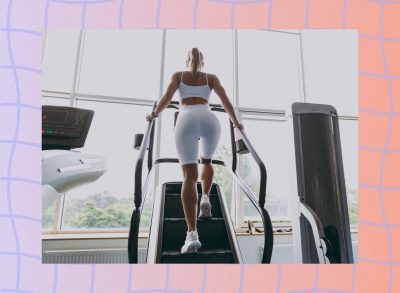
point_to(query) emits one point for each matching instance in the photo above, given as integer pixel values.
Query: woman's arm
(166, 98)
(226, 103)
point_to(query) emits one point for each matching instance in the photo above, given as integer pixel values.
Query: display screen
(64, 127)
(54, 116)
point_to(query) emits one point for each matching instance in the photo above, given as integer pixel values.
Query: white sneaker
(205, 207)
(192, 242)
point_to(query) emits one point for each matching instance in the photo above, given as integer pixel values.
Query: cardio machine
(63, 167)
(168, 227)
(321, 228)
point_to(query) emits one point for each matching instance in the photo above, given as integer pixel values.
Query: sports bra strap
(181, 76)
(207, 78)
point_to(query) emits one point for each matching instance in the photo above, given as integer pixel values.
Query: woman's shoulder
(211, 76)
(177, 73)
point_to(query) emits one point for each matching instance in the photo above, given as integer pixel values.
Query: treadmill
(64, 129)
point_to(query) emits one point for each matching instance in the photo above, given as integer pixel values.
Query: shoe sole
(192, 248)
(205, 211)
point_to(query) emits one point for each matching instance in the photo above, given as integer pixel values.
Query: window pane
(48, 217)
(268, 69)
(59, 59)
(270, 142)
(108, 202)
(349, 141)
(122, 63)
(331, 68)
(217, 49)
(55, 101)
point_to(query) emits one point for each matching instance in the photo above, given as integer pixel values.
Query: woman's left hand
(149, 117)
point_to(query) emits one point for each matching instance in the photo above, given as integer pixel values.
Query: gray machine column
(323, 220)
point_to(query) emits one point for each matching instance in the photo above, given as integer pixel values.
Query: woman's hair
(194, 60)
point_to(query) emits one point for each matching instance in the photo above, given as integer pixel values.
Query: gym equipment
(323, 225)
(63, 169)
(168, 226)
(215, 234)
(64, 128)
(321, 230)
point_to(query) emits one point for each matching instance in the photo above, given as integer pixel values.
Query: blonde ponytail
(195, 61)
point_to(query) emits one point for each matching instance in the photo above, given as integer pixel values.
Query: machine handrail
(139, 162)
(147, 144)
(266, 219)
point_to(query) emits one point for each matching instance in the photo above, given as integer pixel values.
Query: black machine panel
(65, 127)
(320, 180)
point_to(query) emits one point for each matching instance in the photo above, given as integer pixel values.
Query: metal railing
(147, 144)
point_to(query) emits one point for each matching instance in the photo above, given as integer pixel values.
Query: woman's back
(191, 87)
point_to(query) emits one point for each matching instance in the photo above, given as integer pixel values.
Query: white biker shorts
(196, 123)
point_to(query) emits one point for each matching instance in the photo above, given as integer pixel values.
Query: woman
(195, 121)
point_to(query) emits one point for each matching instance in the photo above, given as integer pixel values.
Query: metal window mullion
(300, 70)
(75, 81)
(44, 39)
(280, 31)
(58, 213)
(238, 197)
(302, 67)
(348, 117)
(116, 100)
(61, 201)
(159, 120)
(265, 120)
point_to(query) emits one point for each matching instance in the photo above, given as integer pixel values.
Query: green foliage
(221, 175)
(352, 202)
(48, 217)
(100, 210)
(92, 216)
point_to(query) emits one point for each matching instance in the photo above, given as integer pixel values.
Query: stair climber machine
(321, 229)
(168, 226)
(63, 129)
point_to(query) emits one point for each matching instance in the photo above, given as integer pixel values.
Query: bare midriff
(193, 101)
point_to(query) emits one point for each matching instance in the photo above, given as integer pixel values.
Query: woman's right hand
(151, 116)
(239, 126)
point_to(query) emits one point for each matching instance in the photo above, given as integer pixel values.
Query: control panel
(65, 127)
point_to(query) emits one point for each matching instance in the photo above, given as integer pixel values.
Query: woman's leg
(207, 175)
(189, 194)
(208, 146)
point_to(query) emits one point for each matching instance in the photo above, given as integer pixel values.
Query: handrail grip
(139, 163)
(261, 166)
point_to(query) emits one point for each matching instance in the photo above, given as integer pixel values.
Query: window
(48, 217)
(269, 71)
(59, 60)
(121, 63)
(108, 202)
(269, 139)
(55, 101)
(331, 75)
(349, 141)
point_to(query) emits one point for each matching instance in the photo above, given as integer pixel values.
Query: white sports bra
(201, 91)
